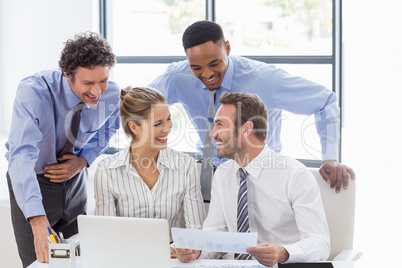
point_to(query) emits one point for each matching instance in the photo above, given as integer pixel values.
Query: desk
(177, 264)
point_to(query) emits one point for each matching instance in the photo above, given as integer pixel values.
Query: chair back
(340, 212)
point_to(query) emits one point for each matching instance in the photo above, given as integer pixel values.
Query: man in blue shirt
(47, 163)
(210, 67)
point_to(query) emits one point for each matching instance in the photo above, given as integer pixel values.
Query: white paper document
(230, 242)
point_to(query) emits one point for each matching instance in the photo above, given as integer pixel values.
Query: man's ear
(248, 127)
(67, 75)
(69, 80)
(227, 47)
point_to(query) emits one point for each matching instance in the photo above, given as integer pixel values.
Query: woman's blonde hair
(136, 104)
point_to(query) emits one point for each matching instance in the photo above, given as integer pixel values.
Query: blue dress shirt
(277, 89)
(39, 128)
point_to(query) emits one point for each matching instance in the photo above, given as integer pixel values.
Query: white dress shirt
(284, 205)
(120, 191)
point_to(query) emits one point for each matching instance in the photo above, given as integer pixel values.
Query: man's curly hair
(87, 50)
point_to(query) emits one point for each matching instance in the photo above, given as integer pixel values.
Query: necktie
(208, 151)
(74, 126)
(242, 211)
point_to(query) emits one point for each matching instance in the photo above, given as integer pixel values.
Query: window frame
(335, 60)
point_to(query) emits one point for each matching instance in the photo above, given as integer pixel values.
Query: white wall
(2, 92)
(32, 34)
(373, 125)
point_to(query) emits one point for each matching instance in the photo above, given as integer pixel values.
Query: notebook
(123, 242)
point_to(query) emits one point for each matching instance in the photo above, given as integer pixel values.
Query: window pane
(137, 74)
(152, 27)
(299, 135)
(319, 73)
(183, 136)
(277, 27)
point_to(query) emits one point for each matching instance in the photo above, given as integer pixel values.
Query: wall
(373, 129)
(32, 36)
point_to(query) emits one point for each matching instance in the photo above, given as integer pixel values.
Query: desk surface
(198, 263)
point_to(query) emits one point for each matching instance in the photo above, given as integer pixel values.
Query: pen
(51, 235)
(53, 239)
(50, 240)
(57, 237)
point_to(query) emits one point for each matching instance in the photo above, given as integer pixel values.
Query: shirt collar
(264, 159)
(71, 99)
(163, 158)
(228, 78)
(123, 160)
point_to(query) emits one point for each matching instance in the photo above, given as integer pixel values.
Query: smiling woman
(148, 179)
(149, 122)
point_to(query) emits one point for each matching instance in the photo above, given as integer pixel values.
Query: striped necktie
(242, 211)
(208, 151)
(74, 126)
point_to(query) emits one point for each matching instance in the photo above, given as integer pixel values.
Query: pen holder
(63, 255)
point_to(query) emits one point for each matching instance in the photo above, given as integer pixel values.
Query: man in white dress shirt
(283, 199)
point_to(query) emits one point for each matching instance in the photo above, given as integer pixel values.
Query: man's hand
(269, 254)
(172, 252)
(64, 171)
(39, 226)
(335, 174)
(187, 255)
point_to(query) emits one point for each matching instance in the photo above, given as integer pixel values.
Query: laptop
(123, 242)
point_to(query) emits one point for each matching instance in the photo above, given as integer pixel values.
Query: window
(300, 36)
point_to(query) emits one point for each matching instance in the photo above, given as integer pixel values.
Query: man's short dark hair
(201, 32)
(87, 50)
(249, 107)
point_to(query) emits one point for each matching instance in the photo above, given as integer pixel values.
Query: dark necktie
(242, 212)
(74, 126)
(208, 151)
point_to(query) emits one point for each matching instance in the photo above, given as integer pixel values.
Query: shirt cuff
(330, 151)
(331, 155)
(89, 155)
(33, 208)
(296, 254)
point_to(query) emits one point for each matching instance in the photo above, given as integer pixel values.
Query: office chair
(340, 212)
